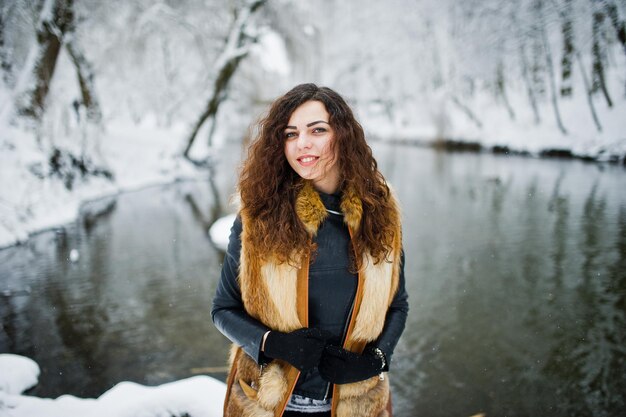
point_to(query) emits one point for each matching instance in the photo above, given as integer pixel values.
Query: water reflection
(134, 307)
(515, 269)
(501, 252)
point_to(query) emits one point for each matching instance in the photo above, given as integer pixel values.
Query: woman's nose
(304, 141)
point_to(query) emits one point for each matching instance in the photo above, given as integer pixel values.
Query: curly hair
(268, 186)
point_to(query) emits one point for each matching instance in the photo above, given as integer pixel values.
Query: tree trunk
(6, 66)
(56, 28)
(618, 24)
(85, 80)
(592, 109)
(550, 68)
(55, 19)
(235, 49)
(529, 85)
(468, 112)
(217, 96)
(567, 59)
(598, 82)
(501, 86)
(537, 68)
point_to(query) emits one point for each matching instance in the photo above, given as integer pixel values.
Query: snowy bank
(486, 123)
(220, 231)
(17, 373)
(198, 396)
(138, 156)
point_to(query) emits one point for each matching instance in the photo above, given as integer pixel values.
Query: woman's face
(308, 138)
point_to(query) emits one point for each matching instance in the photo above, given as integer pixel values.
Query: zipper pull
(327, 391)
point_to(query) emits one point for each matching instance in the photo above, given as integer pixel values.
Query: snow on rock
(17, 374)
(220, 231)
(198, 396)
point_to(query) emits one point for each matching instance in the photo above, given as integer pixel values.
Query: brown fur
(370, 403)
(310, 208)
(273, 386)
(352, 209)
(357, 389)
(269, 293)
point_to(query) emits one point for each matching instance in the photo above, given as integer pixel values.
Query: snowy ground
(138, 156)
(199, 396)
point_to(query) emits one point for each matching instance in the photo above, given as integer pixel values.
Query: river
(515, 268)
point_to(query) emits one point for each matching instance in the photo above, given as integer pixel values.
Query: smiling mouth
(308, 160)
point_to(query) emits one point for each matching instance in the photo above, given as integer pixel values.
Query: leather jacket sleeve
(228, 312)
(231, 319)
(395, 319)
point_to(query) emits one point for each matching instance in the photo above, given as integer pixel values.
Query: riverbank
(31, 201)
(484, 124)
(144, 155)
(198, 396)
(452, 145)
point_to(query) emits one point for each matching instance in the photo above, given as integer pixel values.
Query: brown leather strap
(302, 303)
(231, 378)
(292, 378)
(333, 402)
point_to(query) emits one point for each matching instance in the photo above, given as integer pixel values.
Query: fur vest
(277, 295)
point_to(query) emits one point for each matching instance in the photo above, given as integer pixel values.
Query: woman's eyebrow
(308, 125)
(316, 122)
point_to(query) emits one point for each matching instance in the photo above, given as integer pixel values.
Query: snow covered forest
(101, 96)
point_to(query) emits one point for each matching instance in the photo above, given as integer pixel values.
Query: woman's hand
(301, 348)
(341, 366)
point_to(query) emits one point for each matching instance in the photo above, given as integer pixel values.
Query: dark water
(516, 270)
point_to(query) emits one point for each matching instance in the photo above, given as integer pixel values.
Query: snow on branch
(237, 46)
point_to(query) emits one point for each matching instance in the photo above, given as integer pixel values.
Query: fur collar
(311, 210)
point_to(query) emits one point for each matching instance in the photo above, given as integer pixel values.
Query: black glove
(301, 348)
(341, 366)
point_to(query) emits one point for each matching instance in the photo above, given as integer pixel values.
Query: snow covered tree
(567, 57)
(598, 51)
(56, 28)
(618, 22)
(55, 20)
(6, 65)
(236, 47)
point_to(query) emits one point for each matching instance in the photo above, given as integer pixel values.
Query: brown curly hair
(268, 186)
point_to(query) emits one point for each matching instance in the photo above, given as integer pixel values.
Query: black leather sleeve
(395, 320)
(228, 312)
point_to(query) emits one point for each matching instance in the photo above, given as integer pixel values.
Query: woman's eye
(289, 135)
(319, 130)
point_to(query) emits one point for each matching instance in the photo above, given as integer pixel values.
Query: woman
(312, 287)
